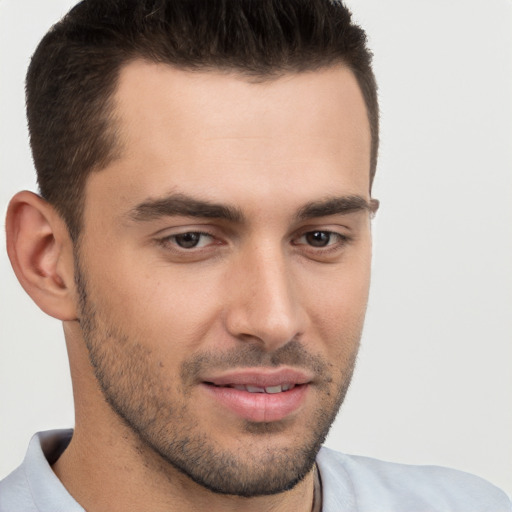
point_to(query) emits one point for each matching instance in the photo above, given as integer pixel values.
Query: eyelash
(171, 239)
(340, 240)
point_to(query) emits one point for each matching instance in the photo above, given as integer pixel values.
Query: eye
(318, 238)
(321, 238)
(188, 240)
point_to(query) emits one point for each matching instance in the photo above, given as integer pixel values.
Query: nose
(264, 300)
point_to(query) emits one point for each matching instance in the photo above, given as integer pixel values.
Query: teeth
(268, 389)
(273, 389)
(255, 389)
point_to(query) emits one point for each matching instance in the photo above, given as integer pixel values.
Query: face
(223, 268)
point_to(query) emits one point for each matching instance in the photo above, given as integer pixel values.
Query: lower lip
(259, 407)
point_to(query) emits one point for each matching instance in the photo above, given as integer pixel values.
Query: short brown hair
(73, 73)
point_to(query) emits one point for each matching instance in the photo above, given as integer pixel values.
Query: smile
(258, 395)
(257, 389)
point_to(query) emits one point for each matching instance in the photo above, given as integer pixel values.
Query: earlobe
(41, 254)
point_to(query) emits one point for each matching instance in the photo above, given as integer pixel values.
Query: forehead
(223, 134)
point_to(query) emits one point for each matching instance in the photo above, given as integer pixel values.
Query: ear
(41, 254)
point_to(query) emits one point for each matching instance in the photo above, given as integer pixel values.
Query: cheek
(163, 306)
(337, 309)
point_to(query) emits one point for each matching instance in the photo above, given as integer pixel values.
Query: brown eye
(188, 240)
(318, 238)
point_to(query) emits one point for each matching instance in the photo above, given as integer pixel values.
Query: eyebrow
(337, 206)
(181, 204)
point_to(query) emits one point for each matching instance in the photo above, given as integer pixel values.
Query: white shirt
(349, 484)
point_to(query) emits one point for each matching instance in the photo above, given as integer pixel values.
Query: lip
(259, 377)
(259, 407)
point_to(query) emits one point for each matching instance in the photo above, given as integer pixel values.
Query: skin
(258, 291)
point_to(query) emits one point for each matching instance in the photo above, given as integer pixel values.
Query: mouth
(259, 395)
(279, 388)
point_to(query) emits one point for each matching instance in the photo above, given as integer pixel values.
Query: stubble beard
(129, 379)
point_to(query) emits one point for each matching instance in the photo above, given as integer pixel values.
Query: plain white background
(434, 379)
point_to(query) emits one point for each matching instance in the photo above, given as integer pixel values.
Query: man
(204, 236)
